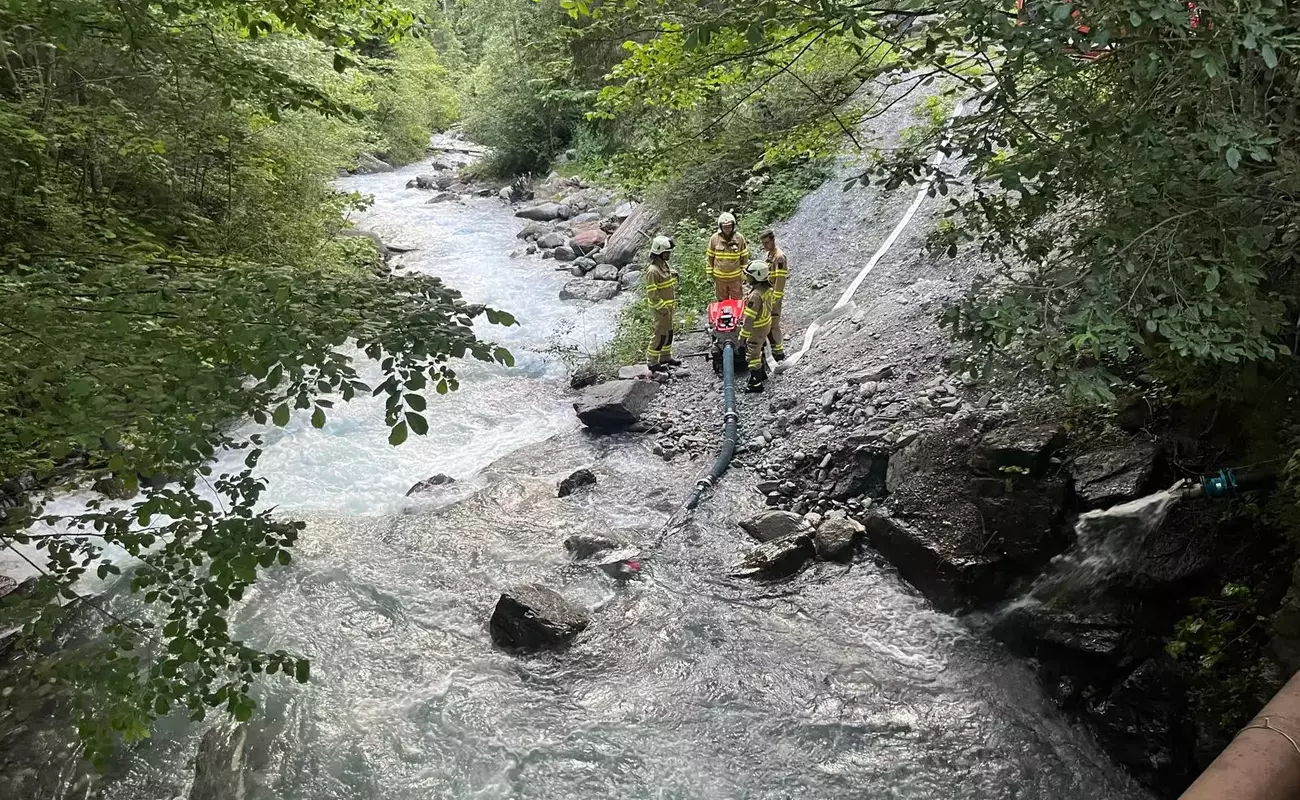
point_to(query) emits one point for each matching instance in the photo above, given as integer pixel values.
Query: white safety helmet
(660, 245)
(726, 218)
(757, 270)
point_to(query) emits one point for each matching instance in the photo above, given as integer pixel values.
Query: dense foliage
(170, 267)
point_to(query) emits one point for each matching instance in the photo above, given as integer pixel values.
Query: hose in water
(729, 431)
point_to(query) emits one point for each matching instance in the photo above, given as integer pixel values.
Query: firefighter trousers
(754, 348)
(661, 338)
(774, 337)
(728, 288)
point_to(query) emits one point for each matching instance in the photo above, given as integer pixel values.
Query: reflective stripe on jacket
(779, 270)
(758, 311)
(726, 258)
(660, 286)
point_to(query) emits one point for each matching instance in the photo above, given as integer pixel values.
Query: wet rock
(771, 525)
(1022, 518)
(605, 272)
(533, 230)
(778, 558)
(629, 278)
(114, 488)
(530, 616)
(219, 765)
(615, 405)
(949, 574)
(584, 265)
(564, 254)
(583, 546)
(1078, 636)
(442, 197)
(1027, 448)
(622, 247)
(550, 240)
(588, 241)
(1143, 723)
(1106, 477)
(546, 212)
(429, 484)
(594, 291)
(579, 479)
(835, 538)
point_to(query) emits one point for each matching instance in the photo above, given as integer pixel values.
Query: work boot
(672, 362)
(658, 367)
(778, 356)
(756, 380)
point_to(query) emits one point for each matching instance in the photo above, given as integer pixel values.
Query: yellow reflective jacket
(660, 286)
(726, 258)
(758, 310)
(778, 272)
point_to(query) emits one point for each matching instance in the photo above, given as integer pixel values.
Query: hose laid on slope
(729, 431)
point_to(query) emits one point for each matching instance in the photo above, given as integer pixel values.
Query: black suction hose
(729, 432)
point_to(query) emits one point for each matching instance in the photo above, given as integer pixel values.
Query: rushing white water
(689, 685)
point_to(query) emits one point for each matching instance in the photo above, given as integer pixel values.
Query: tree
(169, 269)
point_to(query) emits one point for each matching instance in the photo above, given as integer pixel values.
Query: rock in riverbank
(615, 405)
(580, 479)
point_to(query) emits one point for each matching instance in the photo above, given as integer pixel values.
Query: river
(841, 683)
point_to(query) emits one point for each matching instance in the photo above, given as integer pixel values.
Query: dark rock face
(1143, 723)
(948, 573)
(779, 558)
(615, 405)
(772, 525)
(866, 476)
(1023, 518)
(1020, 447)
(530, 617)
(430, 483)
(563, 253)
(579, 479)
(835, 539)
(1105, 477)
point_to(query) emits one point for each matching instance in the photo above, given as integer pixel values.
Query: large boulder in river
(368, 164)
(543, 213)
(615, 405)
(588, 241)
(529, 617)
(579, 479)
(595, 291)
(220, 771)
(1115, 475)
(770, 525)
(622, 247)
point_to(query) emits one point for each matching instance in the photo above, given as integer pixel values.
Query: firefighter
(758, 322)
(778, 270)
(726, 259)
(661, 292)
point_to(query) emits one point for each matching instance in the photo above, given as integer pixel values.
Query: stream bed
(841, 683)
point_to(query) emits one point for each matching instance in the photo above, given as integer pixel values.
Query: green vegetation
(169, 266)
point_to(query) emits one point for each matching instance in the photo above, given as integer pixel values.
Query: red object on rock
(589, 240)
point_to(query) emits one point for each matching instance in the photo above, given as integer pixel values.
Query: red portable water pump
(725, 320)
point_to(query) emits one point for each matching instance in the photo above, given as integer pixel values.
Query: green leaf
(1269, 55)
(318, 417)
(415, 402)
(1233, 157)
(398, 434)
(1211, 280)
(418, 423)
(281, 416)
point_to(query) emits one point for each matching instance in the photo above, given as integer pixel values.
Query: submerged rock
(585, 545)
(615, 405)
(430, 483)
(530, 616)
(771, 525)
(1116, 475)
(778, 558)
(579, 479)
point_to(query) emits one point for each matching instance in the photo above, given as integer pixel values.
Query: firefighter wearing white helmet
(726, 258)
(758, 322)
(661, 294)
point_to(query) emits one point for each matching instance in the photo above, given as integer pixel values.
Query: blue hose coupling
(1220, 486)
